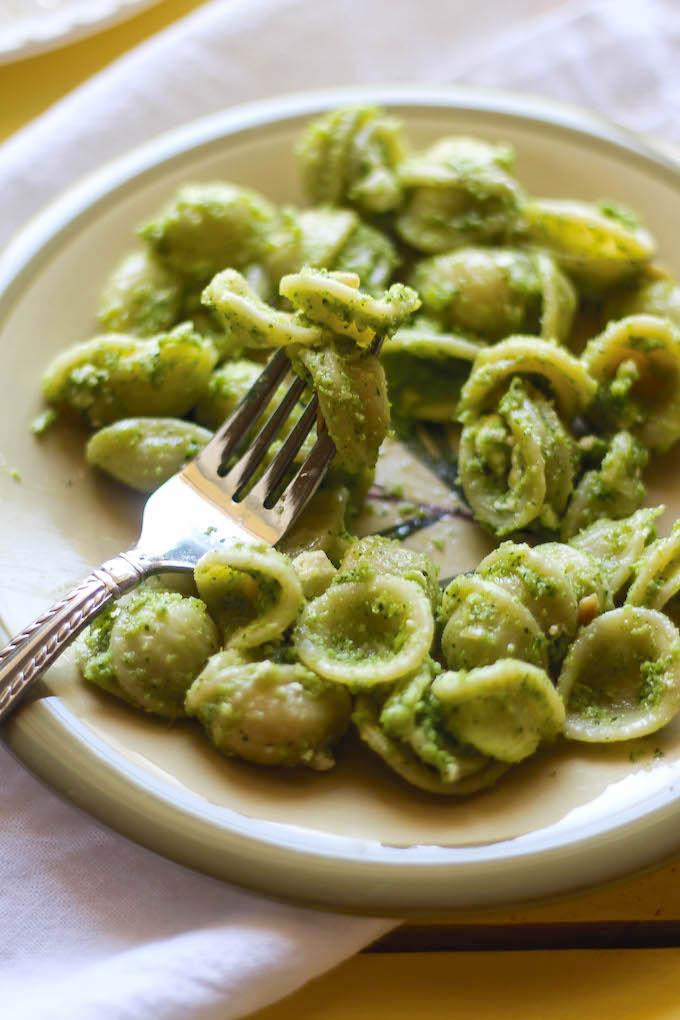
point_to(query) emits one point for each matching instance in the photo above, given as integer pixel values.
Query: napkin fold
(93, 927)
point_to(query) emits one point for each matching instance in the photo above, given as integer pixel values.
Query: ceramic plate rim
(346, 873)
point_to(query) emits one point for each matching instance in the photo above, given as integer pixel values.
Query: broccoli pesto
(422, 291)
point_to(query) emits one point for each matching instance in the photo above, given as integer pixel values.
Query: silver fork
(192, 512)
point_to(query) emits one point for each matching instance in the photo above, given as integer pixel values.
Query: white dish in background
(28, 27)
(357, 838)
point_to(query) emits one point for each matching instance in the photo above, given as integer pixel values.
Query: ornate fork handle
(35, 648)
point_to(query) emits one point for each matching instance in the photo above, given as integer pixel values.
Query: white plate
(357, 838)
(28, 27)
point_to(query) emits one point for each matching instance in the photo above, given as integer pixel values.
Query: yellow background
(588, 985)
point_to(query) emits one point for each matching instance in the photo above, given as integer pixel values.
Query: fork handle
(29, 654)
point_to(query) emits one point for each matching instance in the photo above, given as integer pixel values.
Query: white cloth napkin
(91, 926)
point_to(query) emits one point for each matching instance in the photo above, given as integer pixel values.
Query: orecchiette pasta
(207, 227)
(485, 622)
(495, 292)
(363, 633)
(660, 297)
(148, 649)
(612, 490)
(141, 296)
(377, 555)
(403, 729)
(657, 574)
(517, 463)
(636, 364)
(335, 300)
(251, 589)
(269, 713)
(521, 603)
(621, 678)
(559, 299)
(350, 156)
(619, 545)
(567, 379)
(119, 376)
(538, 582)
(352, 395)
(504, 710)
(144, 452)
(492, 292)
(409, 715)
(402, 760)
(336, 239)
(585, 575)
(315, 572)
(370, 254)
(426, 370)
(457, 192)
(251, 323)
(325, 231)
(598, 245)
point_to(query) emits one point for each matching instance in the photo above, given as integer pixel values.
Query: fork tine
(234, 430)
(244, 469)
(266, 489)
(307, 480)
(309, 476)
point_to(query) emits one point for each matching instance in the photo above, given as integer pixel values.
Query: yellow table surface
(590, 984)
